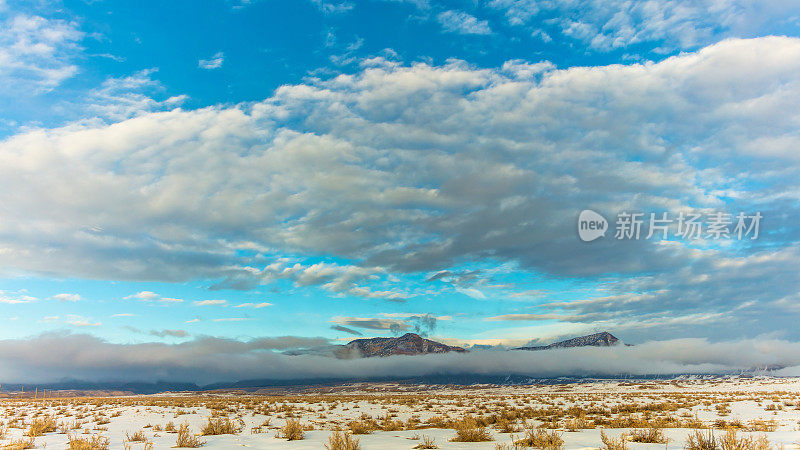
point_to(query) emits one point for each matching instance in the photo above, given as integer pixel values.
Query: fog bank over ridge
(52, 357)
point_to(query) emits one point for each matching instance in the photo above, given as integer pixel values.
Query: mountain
(604, 339)
(407, 344)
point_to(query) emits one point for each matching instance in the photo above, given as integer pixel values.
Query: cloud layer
(401, 169)
(52, 357)
(614, 24)
(411, 168)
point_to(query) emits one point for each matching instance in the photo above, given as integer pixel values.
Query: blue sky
(331, 169)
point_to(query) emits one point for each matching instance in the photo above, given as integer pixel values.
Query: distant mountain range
(414, 344)
(604, 339)
(407, 344)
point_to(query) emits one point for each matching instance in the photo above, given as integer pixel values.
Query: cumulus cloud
(50, 357)
(422, 168)
(130, 96)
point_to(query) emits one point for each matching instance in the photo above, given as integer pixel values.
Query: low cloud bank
(54, 357)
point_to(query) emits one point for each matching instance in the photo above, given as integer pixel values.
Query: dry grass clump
(763, 425)
(507, 426)
(93, 442)
(258, 429)
(223, 425)
(292, 430)
(362, 426)
(427, 442)
(512, 446)
(41, 426)
(186, 439)
(342, 441)
(102, 420)
(541, 439)
(701, 441)
(620, 443)
(389, 424)
(729, 441)
(66, 426)
(649, 436)
(20, 444)
(136, 437)
(468, 430)
(170, 427)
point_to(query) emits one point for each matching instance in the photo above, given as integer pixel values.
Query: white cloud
(130, 96)
(68, 297)
(333, 6)
(211, 303)
(15, 298)
(36, 53)
(143, 295)
(149, 296)
(80, 321)
(460, 22)
(522, 69)
(472, 292)
(340, 279)
(612, 24)
(420, 168)
(215, 62)
(254, 305)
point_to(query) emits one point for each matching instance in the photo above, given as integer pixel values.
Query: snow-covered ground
(753, 405)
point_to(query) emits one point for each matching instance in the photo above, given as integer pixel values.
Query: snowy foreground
(388, 416)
